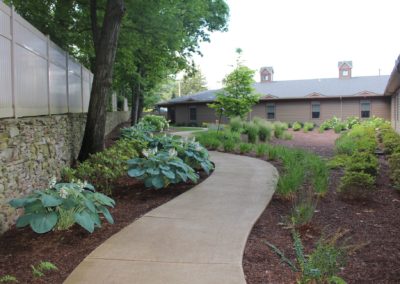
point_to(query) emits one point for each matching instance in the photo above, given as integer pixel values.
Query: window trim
(190, 117)
(266, 110)
(312, 112)
(369, 111)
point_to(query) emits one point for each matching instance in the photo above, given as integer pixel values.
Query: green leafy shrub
(287, 136)
(42, 208)
(359, 138)
(351, 121)
(308, 126)
(394, 166)
(261, 150)
(159, 123)
(356, 185)
(251, 129)
(339, 127)
(337, 162)
(158, 169)
(236, 124)
(330, 123)
(363, 162)
(245, 148)
(104, 168)
(296, 126)
(390, 141)
(279, 129)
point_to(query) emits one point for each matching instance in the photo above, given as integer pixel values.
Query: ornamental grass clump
(261, 150)
(265, 130)
(279, 129)
(236, 124)
(245, 148)
(62, 205)
(251, 129)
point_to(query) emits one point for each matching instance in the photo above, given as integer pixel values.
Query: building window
(365, 109)
(270, 111)
(192, 114)
(345, 72)
(315, 110)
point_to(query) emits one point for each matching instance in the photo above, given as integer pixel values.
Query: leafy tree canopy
(237, 97)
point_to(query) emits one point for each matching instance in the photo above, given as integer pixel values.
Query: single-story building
(312, 100)
(393, 91)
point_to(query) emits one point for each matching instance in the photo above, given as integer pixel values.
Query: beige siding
(395, 112)
(296, 110)
(292, 111)
(381, 107)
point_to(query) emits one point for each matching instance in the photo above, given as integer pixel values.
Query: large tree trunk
(105, 44)
(136, 91)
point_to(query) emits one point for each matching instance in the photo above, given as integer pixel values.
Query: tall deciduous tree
(237, 97)
(193, 82)
(105, 38)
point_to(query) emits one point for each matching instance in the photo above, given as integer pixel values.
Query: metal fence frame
(36, 76)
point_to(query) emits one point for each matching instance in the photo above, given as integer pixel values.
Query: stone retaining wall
(34, 149)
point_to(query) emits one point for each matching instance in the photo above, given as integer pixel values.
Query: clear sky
(305, 39)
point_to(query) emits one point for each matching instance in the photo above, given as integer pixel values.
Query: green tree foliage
(238, 95)
(193, 82)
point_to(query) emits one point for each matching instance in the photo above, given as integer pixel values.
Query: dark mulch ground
(21, 248)
(373, 225)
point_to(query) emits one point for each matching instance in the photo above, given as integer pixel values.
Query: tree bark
(106, 46)
(136, 91)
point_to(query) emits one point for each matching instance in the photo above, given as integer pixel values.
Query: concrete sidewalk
(198, 237)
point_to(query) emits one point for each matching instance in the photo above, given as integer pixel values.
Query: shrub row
(259, 129)
(356, 153)
(391, 143)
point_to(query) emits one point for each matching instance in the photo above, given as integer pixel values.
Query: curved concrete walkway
(198, 237)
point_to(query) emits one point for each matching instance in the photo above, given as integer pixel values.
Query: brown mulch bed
(373, 225)
(21, 248)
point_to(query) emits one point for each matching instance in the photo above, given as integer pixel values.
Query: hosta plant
(66, 204)
(189, 150)
(158, 169)
(159, 123)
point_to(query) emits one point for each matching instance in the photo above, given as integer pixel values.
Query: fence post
(13, 75)
(48, 73)
(83, 107)
(67, 79)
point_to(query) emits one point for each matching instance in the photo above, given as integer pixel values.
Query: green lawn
(184, 128)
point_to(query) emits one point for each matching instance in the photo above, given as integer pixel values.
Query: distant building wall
(294, 110)
(395, 111)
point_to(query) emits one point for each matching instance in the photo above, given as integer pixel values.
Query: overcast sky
(304, 39)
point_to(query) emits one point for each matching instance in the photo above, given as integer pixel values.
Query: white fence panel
(30, 83)
(86, 89)
(6, 104)
(58, 90)
(75, 93)
(36, 76)
(5, 23)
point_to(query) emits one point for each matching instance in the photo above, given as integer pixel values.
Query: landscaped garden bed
(139, 171)
(312, 232)
(372, 226)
